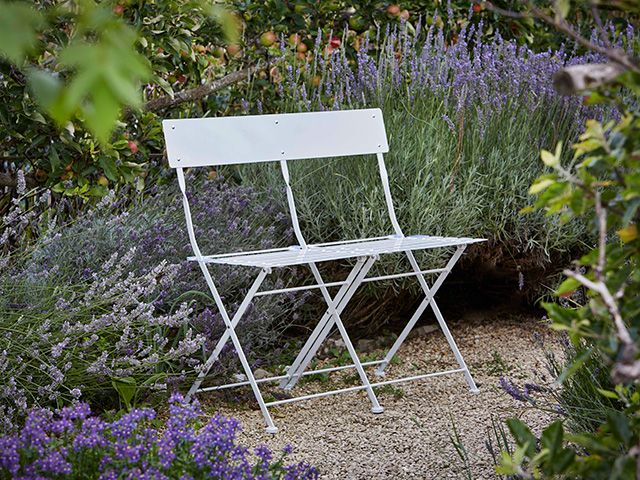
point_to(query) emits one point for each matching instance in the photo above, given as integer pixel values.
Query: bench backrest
(202, 142)
(262, 138)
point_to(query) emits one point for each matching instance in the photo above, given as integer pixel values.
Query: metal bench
(282, 137)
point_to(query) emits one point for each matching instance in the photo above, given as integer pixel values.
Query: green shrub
(580, 401)
(464, 122)
(108, 309)
(601, 184)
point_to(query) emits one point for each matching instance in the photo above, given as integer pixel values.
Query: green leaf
(123, 89)
(575, 366)
(102, 114)
(540, 185)
(552, 437)
(69, 102)
(126, 388)
(570, 285)
(106, 77)
(608, 393)
(623, 468)
(228, 21)
(54, 159)
(628, 233)
(109, 168)
(594, 98)
(523, 436)
(527, 209)
(558, 152)
(19, 24)
(619, 425)
(506, 466)
(563, 460)
(590, 442)
(549, 159)
(44, 86)
(562, 8)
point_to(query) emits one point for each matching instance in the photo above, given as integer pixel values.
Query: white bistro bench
(204, 142)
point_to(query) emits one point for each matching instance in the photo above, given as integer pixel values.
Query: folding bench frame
(249, 139)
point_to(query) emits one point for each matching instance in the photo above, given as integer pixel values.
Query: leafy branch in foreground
(603, 182)
(80, 83)
(91, 76)
(600, 183)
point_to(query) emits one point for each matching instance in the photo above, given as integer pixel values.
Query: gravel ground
(411, 439)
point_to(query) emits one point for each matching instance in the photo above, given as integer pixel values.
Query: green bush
(600, 184)
(463, 123)
(603, 184)
(106, 309)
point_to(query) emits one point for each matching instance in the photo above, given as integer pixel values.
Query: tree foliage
(599, 181)
(72, 80)
(79, 77)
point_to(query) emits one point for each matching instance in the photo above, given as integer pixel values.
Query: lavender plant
(60, 342)
(73, 443)
(464, 121)
(579, 402)
(227, 218)
(108, 308)
(25, 212)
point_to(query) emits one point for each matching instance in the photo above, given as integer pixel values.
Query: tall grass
(465, 122)
(581, 400)
(581, 376)
(106, 309)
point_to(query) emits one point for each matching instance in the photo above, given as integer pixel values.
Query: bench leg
(376, 407)
(335, 307)
(452, 344)
(429, 301)
(230, 333)
(324, 326)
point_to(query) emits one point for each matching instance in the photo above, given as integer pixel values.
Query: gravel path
(411, 439)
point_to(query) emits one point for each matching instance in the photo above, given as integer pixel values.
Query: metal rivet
(283, 152)
(173, 127)
(276, 122)
(379, 146)
(373, 116)
(177, 159)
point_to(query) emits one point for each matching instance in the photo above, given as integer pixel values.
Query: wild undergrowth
(106, 308)
(465, 122)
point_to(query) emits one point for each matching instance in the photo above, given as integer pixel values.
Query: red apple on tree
(268, 38)
(103, 181)
(234, 49)
(393, 10)
(294, 39)
(218, 52)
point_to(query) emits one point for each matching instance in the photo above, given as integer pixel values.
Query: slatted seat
(193, 143)
(298, 255)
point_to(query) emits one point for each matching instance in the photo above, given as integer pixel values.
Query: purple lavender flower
(73, 442)
(512, 390)
(530, 388)
(488, 78)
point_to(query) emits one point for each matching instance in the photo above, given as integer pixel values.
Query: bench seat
(297, 255)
